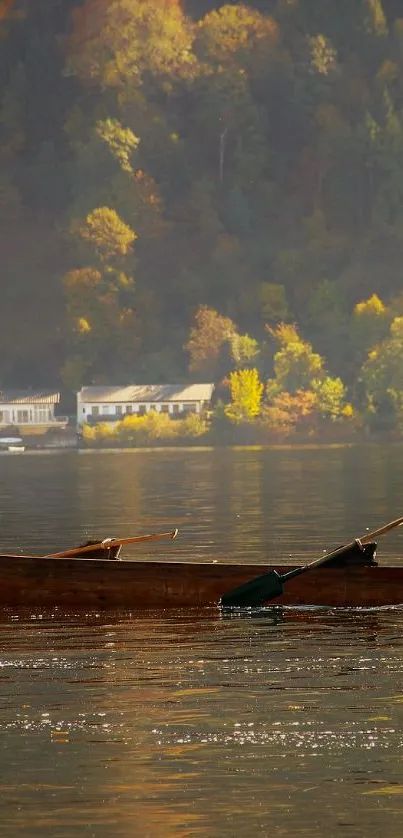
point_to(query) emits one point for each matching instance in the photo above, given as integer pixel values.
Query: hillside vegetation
(205, 191)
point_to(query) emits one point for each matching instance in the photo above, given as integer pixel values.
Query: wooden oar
(270, 585)
(110, 542)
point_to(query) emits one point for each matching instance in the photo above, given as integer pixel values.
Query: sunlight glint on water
(285, 723)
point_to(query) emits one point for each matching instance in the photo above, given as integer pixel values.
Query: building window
(129, 409)
(22, 416)
(142, 409)
(118, 410)
(191, 407)
(40, 415)
(84, 411)
(95, 410)
(175, 408)
(164, 408)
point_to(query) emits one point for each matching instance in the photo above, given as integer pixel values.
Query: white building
(29, 407)
(113, 403)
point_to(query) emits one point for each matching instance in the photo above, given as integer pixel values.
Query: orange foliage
(113, 43)
(5, 6)
(207, 338)
(288, 411)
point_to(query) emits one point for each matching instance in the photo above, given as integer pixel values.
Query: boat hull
(102, 584)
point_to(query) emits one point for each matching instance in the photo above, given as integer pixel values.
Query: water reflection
(168, 712)
(243, 504)
(193, 725)
(277, 721)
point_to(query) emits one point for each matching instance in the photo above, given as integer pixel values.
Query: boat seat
(357, 555)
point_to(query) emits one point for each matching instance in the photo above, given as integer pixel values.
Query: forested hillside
(194, 190)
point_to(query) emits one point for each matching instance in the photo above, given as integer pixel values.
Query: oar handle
(365, 539)
(322, 559)
(111, 542)
(370, 536)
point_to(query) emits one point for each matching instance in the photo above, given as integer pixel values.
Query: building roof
(29, 396)
(146, 393)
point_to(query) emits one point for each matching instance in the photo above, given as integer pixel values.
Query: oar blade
(254, 593)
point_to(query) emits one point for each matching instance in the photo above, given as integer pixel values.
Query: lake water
(287, 722)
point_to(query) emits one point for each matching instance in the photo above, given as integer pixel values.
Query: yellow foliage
(376, 22)
(348, 411)
(246, 394)
(234, 31)
(193, 425)
(83, 326)
(371, 307)
(105, 431)
(107, 233)
(121, 141)
(285, 333)
(159, 426)
(324, 55)
(89, 433)
(151, 427)
(115, 43)
(396, 329)
(295, 364)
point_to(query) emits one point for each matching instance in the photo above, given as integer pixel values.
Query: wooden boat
(103, 584)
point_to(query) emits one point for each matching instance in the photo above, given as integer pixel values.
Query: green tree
(273, 302)
(326, 318)
(244, 350)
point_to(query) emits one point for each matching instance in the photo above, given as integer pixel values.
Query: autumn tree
(109, 238)
(206, 342)
(295, 363)
(370, 323)
(114, 44)
(255, 148)
(301, 380)
(286, 413)
(246, 396)
(229, 42)
(330, 398)
(100, 298)
(382, 377)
